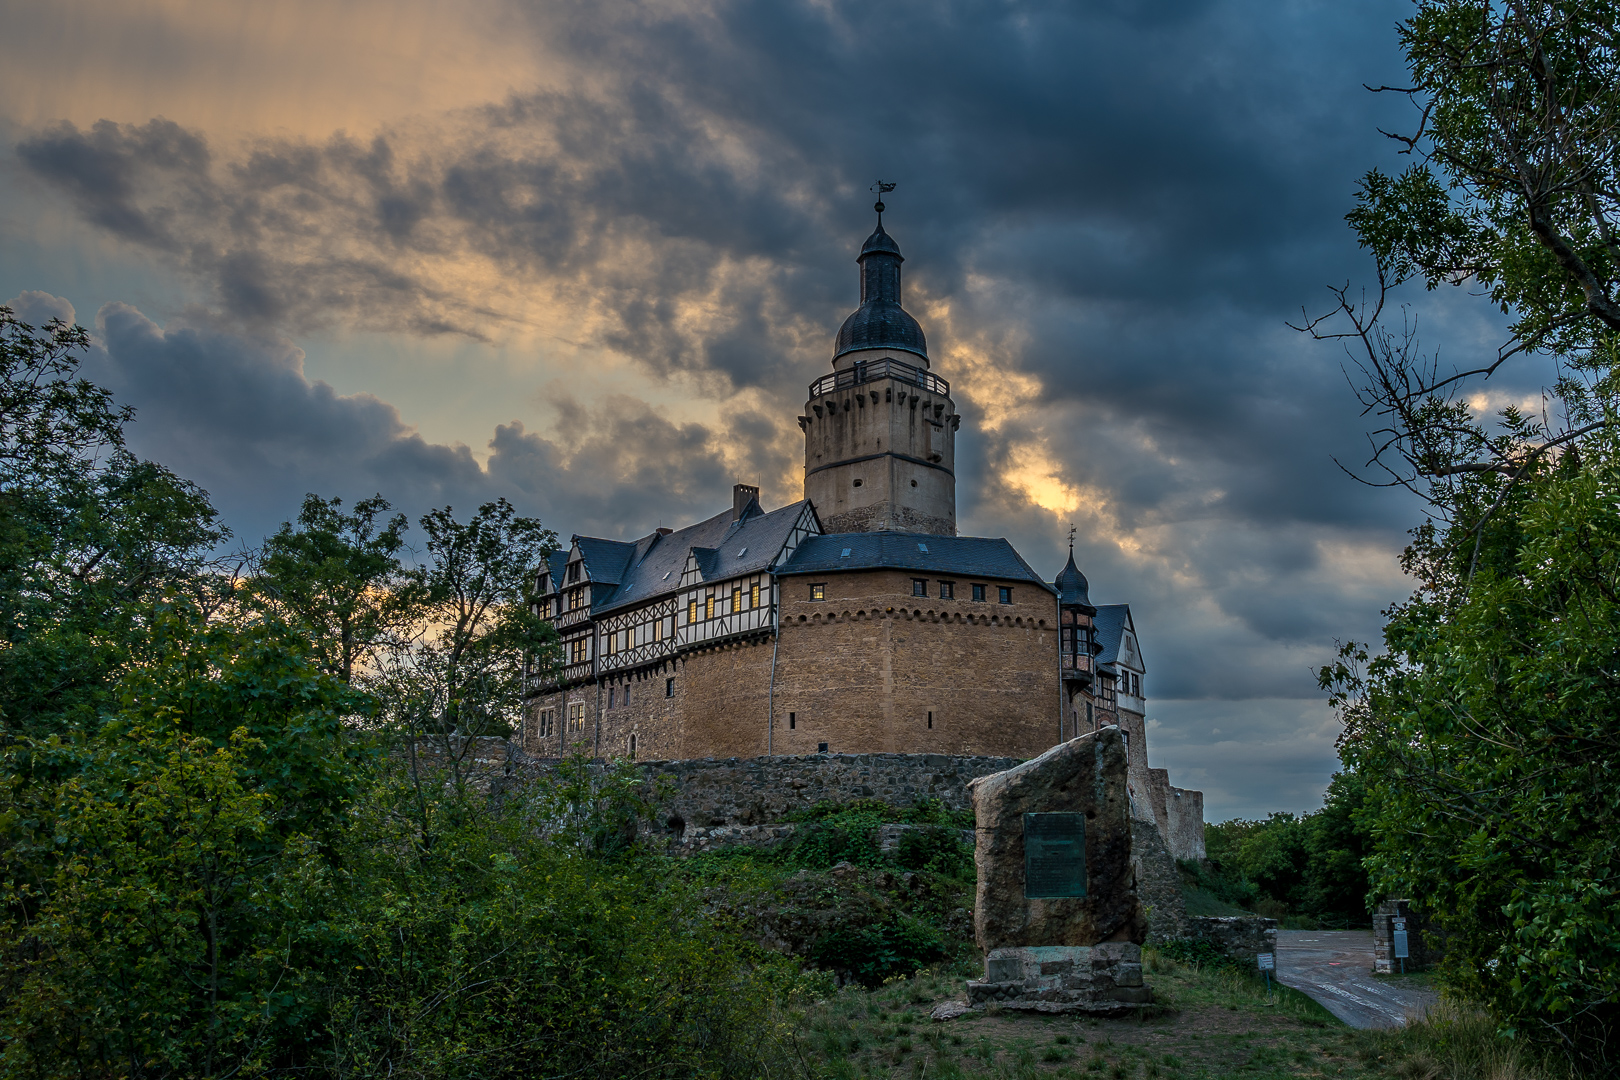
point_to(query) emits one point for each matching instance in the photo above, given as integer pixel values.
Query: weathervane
(1071, 539)
(881, 188)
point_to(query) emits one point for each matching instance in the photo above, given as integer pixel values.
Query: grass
(1200, 901)
(1210, 1025)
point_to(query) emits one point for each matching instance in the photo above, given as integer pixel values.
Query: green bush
(871, 954)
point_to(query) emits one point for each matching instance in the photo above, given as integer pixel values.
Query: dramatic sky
(587, 254)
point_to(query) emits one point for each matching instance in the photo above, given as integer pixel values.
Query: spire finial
(881, 188)
(1071, 539)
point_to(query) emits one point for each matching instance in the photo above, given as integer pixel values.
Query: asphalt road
(1335, 968)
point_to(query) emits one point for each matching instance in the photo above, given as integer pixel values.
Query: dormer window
(573, 572)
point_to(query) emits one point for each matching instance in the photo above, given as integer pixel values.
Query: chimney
(663, 531)
(741, 496)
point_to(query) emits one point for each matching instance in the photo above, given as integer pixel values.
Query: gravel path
(1335, 968)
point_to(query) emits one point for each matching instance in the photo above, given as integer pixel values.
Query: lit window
(818, 592)
(658, 630)
(947, 590)
(978, 593)
(919, 586)
(736, 599)
(753, 596)
(691, 611)
(708, 606)
(1006, 594)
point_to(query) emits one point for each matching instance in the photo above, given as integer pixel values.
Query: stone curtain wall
(1242, 937)
(1186, 815)
(759, 791)
(1158, 883)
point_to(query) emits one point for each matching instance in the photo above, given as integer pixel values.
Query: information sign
(1054, 856)
(1401, 952)
(1267, 961)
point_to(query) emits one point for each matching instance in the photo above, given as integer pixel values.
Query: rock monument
(1057, 913)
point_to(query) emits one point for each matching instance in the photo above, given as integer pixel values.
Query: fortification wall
(759, 791)
(1185, 836)
(1158, 883)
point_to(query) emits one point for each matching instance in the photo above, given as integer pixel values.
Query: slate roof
(958, 556)
(1110, 622)
(880, 322)
(652, 566)
(1072, 587)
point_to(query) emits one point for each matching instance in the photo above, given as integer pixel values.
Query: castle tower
(880, 431)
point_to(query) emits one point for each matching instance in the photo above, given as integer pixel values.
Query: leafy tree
(460, 673)
(1486, 732)
(339, 578)
(1337, 842)
(90, 536)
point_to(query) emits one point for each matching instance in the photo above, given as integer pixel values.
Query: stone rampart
(1185, 811)
(1158, 883)
(1242, 937)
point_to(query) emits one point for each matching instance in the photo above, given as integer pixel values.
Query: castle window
(930, 721)
(632, 747)
(708, 606)
(1006, 594)
(548, 723)
(821, 748)
(658, 630)
(1090, 718)
(978, 593)
(753, 595)
(576, 716)
(669, 687)
(691, 611)
(610, 697)
(818, 592)
(627, 695)
(736, 599)
(793, 720)
(573, 572)
(947, 590)
(919, 586)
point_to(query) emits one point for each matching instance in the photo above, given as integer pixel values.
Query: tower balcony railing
(865, 371)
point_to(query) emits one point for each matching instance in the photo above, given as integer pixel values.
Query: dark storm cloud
(1119, 203)
(236, 415)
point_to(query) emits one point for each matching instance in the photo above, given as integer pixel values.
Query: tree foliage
(90, 536)
(221, 855)
(1486, 731)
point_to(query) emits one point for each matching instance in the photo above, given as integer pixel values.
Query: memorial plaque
(1054, 856)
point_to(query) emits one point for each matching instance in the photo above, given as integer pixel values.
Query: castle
(853, 621)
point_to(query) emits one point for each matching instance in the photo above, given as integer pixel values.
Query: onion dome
(880, 322)
(1072, 587)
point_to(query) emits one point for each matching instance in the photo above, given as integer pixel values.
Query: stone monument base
(1096, 980)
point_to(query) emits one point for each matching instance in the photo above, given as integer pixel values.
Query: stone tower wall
(881, 455)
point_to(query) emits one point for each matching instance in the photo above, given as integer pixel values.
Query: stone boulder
(1085, 775)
